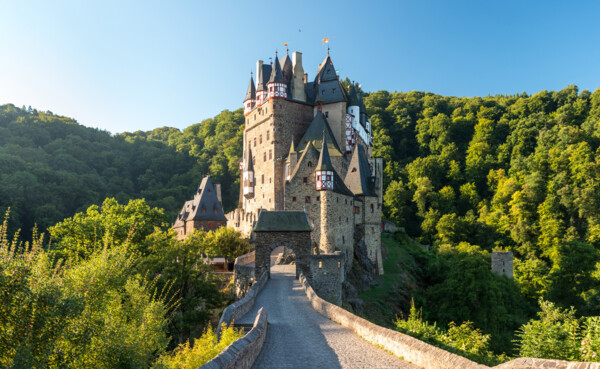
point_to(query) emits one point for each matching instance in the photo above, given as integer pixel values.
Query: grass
(392, 292)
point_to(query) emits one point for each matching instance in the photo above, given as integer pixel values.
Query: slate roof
(326, 84)
(314, 134)
(358, 178)
(276, 75)
(324, 162)
(261, 81)
(339, 186)
(286, 68)
(204, 206)
(282, 221)
(310, 150)
(352, 96)
(251, 94)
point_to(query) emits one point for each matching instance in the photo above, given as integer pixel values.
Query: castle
(308, 147)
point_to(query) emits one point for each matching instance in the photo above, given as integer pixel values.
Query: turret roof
(286, 68)
(276, 76)
(324, 162)
(352, 96)
(261, 81)
(251, 94)
(358, 178)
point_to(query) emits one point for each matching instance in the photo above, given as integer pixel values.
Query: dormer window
(203, 209)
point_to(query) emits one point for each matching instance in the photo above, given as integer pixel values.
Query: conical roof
(324, 162)
(248, 165)
(276, 75)
(352, 96)
(251, 94)
(326, 71)
(286, 68)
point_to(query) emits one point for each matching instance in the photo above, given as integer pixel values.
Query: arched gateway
(282, 228)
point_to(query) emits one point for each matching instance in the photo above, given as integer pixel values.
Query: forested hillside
(52, 167)
(472, 175)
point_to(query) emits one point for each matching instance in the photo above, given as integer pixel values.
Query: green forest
(466, 176)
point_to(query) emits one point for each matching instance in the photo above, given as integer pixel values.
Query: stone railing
(405, 347)
(243, 352)
(239, 308)
(532, 363)
(418, 352)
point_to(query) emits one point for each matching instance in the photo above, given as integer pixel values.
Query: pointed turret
(277, 87)
(250, 100)
(286, 68)
(291, 161)
(248, 175)
(324, 171)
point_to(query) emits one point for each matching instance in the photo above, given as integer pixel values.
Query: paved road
(299, 337)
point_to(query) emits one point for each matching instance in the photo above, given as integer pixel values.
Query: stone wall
(502, 263)
(337, 225)
(243, 352)
(401, 345)
(297, 190)
(239, 308)
(532, 363)
(418, 352)
(243, 272)
(328, 276)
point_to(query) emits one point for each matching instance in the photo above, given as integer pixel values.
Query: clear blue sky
(129, 65)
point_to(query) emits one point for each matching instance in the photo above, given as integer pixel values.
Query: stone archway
(282, 228)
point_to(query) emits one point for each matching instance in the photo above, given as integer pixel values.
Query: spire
(324, 162)
(352, 98)
(292, 147)
(251, 94)
(276, 75)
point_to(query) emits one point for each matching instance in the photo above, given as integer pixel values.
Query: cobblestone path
(299, 337)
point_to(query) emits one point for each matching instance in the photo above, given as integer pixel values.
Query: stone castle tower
(308, 146)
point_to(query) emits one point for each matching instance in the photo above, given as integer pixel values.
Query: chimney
(298, 92)
(259, 76)
(218, 189)
(305, 77)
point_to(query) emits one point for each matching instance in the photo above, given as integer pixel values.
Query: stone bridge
(299, 337)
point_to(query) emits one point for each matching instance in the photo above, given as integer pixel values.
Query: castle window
(270, 154)
(318, 198)
(260, 141)
(293, 198)
(265, 156)
(353, 170)
(343, 241)
(337, 198)
(310, 164)
(326, 114)
(356, 210)
(254, 141)
(339, 264)
(346, 201)
(203, 209)
(333, 90)
(262, 179)
(270, 180)
(307, 199)
(340, 219)
(216, 210)
(305, 180)
(372, 209)
(346, 219)
(320, 264)
(268, 135)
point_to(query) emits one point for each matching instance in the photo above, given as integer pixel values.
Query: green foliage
(112, 223)
(462, 339)
(96, 313)
(226, 242)
(180, 271)
(206, 347)
(558, 334)
(51, 167)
